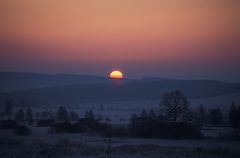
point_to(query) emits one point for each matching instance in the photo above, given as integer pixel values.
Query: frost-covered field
(42, 144)
(119, 112)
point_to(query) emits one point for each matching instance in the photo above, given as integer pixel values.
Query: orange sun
(116, 74)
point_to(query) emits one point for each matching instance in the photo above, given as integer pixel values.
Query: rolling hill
(100, 89)
(14, 81)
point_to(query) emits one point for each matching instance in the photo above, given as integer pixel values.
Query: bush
(185, 130)
(22, 130)
(182, 130)
(66, 127)
(91, 124)
(45, 123)
(85, 125)
(112, 131)
(8, 124)
(233, 135)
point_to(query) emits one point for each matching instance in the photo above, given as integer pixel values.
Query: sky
(197, 39)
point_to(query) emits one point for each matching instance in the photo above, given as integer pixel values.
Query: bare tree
(201, 114)
(8, 107)
(62, 114)
(234, 115)
(73, 116)
(29, 116)
(20, 115)
(215, 116)
(176, 106)
(89, 114)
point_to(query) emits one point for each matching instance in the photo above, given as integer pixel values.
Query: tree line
(173, 119)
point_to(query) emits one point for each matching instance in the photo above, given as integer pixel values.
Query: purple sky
(143, 38)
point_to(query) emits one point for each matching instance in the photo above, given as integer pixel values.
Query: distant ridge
(158, 79)
(14, 81)
(74, 89)
(175, 79)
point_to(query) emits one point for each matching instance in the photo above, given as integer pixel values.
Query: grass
(64, 147)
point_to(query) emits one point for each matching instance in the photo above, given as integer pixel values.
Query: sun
(116, 74)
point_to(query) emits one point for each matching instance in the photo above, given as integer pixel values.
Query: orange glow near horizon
(116, 74)
(143, 37)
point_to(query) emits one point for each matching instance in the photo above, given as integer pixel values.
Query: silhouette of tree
(202, 114)
(215, 116)
(89, 114)
(150, 126)
(51, 115)
(29, 116)
(144, 114)
(19, 115)
(176, 106)
(44, 114)
(37, 115)
(107, 120)
(234, 115)
(133, 121)
(238, 115)
(8, 107)
(152, 115)
(73, 116)
(62, 114)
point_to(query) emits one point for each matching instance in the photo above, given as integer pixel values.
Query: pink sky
(178, 38)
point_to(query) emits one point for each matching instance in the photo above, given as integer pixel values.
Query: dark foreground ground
(41, 144)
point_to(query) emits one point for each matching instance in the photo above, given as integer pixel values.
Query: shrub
(22, 130)
(112, 131)
(66, 127)
(45, 123)
(159, 129)
(85, 125)
(8, 124)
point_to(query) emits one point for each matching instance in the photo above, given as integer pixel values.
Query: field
(119, 112)
(43, 144)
